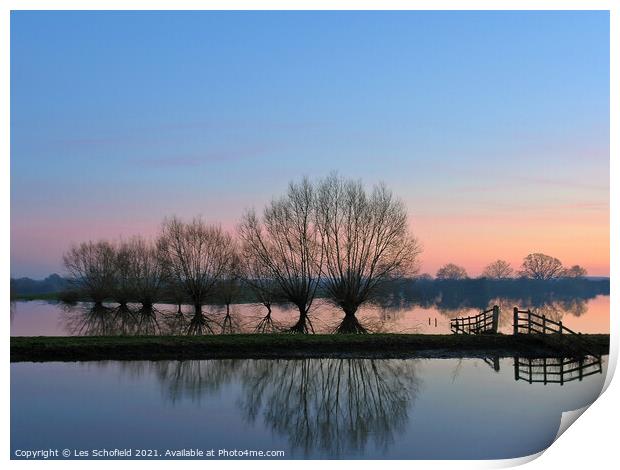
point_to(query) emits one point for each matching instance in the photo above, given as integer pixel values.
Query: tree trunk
(350, 324)
(303, 325)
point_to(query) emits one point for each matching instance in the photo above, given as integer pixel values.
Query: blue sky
(492, 126)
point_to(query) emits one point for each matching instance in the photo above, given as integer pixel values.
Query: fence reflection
(558, 370)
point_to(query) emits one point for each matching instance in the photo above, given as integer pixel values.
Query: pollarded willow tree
(366, 242)
(195, 256)
(228, 289)
(124, 276)
(91, 268)
(148, 271)
(285, 240)
(259, 279)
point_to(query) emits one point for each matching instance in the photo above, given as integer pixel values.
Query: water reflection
(195, 379)
(89, 320)
(333, 406)
(200, 323)
(43, 318)
(102, 320)
(556, 370)
(325, 408)
(266, 323)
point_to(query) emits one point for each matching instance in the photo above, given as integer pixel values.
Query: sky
(492, 127)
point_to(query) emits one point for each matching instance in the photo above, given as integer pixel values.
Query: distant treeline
(452, 294)
(52, 284)
(480, 293)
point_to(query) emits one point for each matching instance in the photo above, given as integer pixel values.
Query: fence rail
(556, 370)
(528, 322)
(483, 323)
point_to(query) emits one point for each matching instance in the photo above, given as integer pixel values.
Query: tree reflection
(335, 405)
(201, 324)
(195, 379)
(147, 322)
(266, 324)
(89, 320)
(350, 324)
(230, 323)
(124, 320)
(99, 320)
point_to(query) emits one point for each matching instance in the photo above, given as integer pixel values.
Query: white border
(591, 442)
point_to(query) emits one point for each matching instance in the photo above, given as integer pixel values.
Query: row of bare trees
(332, 234)
(127, 271)
(336, 235)
(534, 266)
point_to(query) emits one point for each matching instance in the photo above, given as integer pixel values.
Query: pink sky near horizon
(471, 238)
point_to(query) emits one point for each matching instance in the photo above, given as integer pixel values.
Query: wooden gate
(483, 323)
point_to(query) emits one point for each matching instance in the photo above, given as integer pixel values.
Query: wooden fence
(528, 322)
(556, 369)
(483, 323)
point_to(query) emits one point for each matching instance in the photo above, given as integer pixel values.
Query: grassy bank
(49, 348)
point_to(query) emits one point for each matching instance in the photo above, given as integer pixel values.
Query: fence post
(495, 318)
(544, 325)
(515, 321)
(529, 321)
(516, 361)
(560, 322)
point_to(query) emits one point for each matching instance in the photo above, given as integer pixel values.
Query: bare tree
(499, 269)
(541, 266)
(286, 241)
(173, 290)
(228, 288)
(195, 256)
(366, 241)
(258, 278)
(575, 272)
(124, 272)
(148, 272)
(452, 272)
(91, 268)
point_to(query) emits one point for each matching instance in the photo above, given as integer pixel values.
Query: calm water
(38, 318)
(313, 408)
